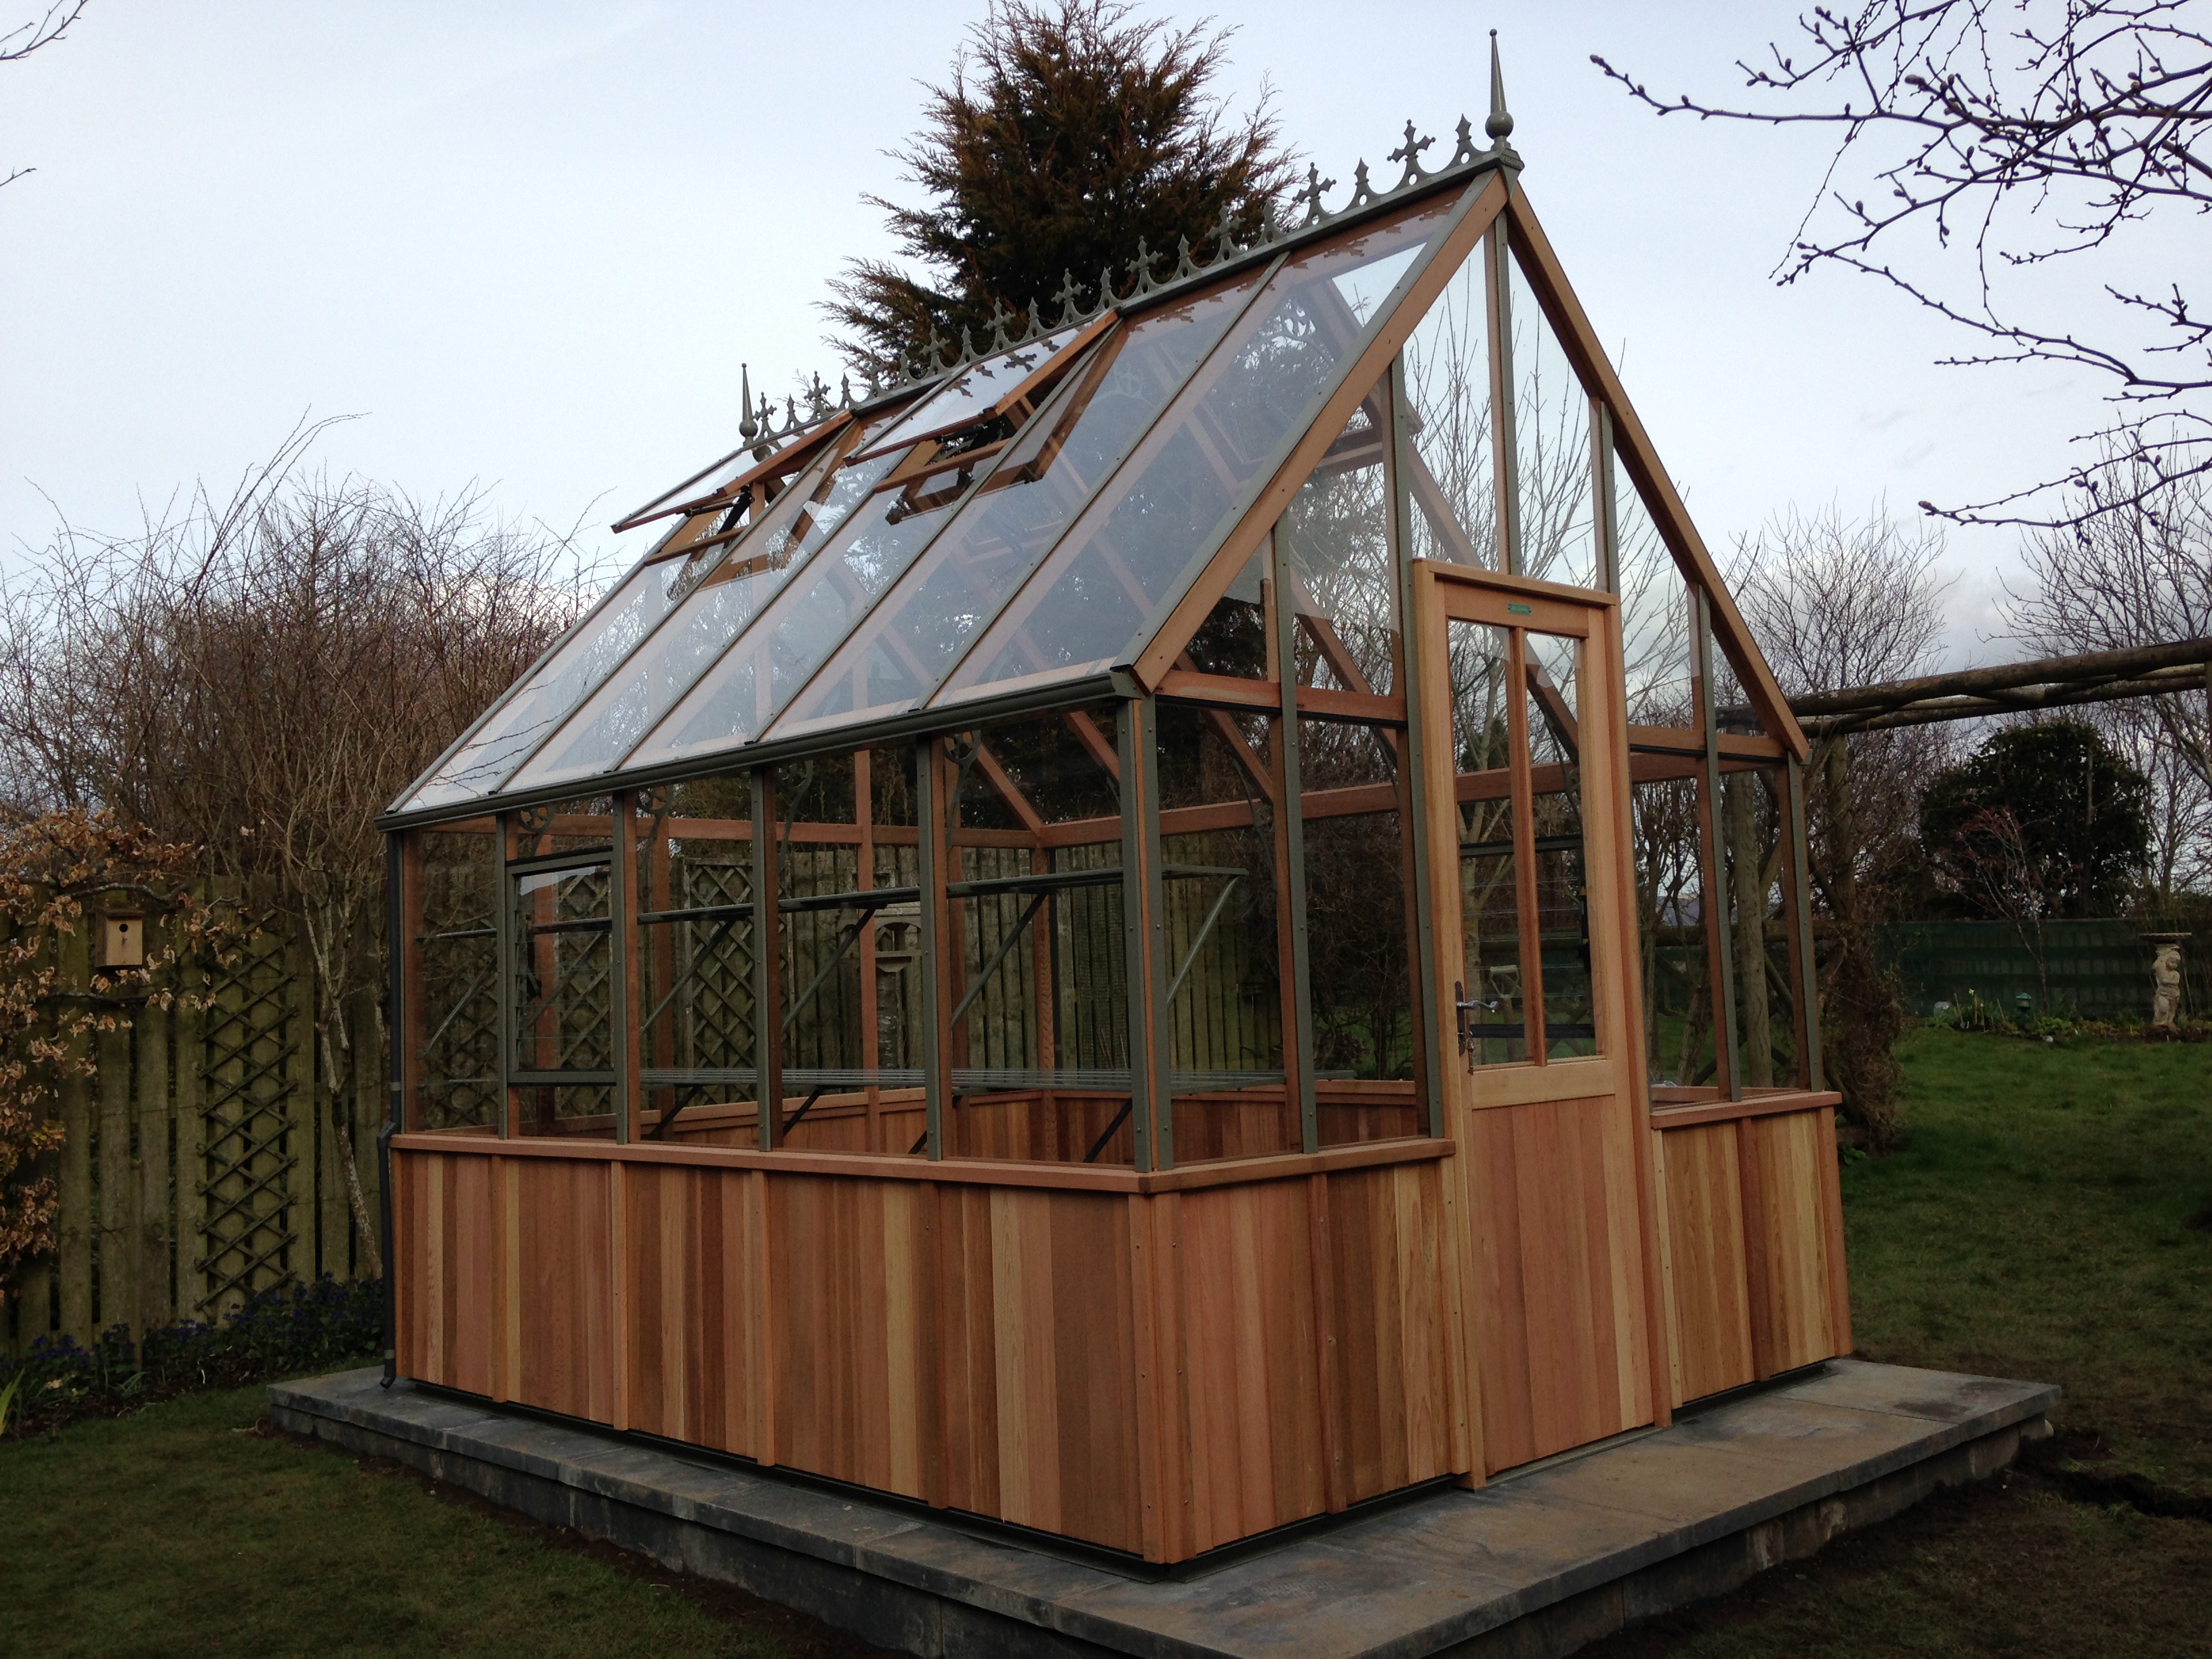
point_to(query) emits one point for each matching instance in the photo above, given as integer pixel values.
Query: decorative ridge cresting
(763, 432)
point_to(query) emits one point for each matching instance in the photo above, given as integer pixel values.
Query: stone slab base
(1537, 1564)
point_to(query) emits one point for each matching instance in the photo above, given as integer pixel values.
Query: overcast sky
(529, 245)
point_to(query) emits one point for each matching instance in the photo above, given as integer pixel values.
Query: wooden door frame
(1441, 593)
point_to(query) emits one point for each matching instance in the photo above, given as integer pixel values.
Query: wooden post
(931, 807)
(864, 881)
(157, 1302)
(118, 1184)
(73, 1228)
(1284, 767)
(1143, 922)
(624, 1039)
(503, 907)
(767, 964)
(1414, 773)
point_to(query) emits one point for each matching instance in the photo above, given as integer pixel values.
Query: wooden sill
(959, 1172)
(1767, 1102)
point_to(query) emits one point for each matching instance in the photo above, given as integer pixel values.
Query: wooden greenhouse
(1191, 919)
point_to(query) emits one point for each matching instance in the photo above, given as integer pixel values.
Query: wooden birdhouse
(121, 940)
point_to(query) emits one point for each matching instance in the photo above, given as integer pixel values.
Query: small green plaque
(1521, 609)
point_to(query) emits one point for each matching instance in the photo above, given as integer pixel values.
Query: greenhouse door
(1529, 898)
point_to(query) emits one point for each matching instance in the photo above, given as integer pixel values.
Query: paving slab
(1536, 1563)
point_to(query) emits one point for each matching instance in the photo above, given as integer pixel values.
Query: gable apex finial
(747, 429)
(1499, 126)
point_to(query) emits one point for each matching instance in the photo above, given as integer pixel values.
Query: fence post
(191, 1141)
(155, 1304)
(74, 1226)
(118, 1241)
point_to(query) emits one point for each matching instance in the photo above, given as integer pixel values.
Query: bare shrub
(261, 677)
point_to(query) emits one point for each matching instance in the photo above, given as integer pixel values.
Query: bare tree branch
(2013, 134)
(20, 42)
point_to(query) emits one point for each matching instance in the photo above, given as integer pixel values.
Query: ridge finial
(1499, 126)
(747, 429)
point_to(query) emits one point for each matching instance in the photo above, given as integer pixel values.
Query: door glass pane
(1231, 425)
(1562, 879)
(1492, 1030)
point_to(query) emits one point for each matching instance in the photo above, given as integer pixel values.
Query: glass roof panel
(591, 652)
(900, 653)
(598, 736)
(1229, 427)
(966, 395)
(802, 625)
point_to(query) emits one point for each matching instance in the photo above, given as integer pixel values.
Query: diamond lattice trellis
(254, 1036)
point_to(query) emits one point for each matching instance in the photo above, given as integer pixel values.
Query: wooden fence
(196, 1168)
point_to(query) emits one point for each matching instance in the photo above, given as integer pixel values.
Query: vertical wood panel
(155, 1224)
(1709, 1311)
(118, 1241)
(1559, 1314)
(1786, 1155)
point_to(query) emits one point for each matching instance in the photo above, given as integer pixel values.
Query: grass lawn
(2051, 1218)
(193, 1528)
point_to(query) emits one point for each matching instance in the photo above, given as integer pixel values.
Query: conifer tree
(1068, 131)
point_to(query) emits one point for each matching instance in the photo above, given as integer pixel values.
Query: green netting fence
(2087, 969)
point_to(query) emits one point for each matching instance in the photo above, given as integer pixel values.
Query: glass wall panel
(1359, 943)
(1493, 1030)
(586, 656)
(1231, 425)
(1677, 992)
(1655, 614)
(1552, 442)
(453, 1025)
(1453, 488)
(694, 991)
(1225, 1003)
(804, 517)
(1070, 448)
(1343, 585)
(1038, 1001)
(1750, 838)
(562, 986)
